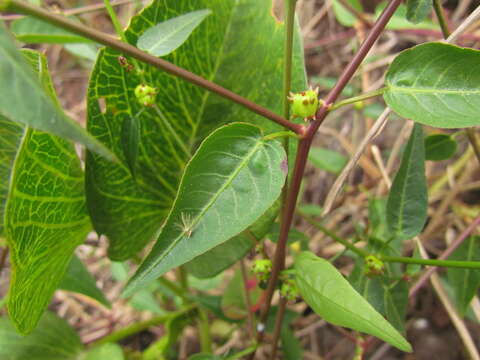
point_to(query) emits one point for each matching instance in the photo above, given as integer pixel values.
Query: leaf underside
(332, 297)
(436, 84)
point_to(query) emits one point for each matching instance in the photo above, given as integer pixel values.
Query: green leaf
(225, 255)
(327, 160)
(408, 200)
(24, 99)
(54, 339)
(167, 36)
(45, 216)
(31, 30)
(233, 178)
(10, 137)
(399, 19)
(131, 133)
(220, 257)
(103, 352)
(291, 346)
(78, 279)
(333, 298)
(418, 10)
(439, 147)
(465, 282)
(434, 84)
(173, 329)
(123, 208)
(345, 17)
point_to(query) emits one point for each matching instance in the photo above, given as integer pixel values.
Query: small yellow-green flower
(146, 94)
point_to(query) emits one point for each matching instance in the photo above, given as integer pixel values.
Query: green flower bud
(262, 269)
(304, 104)
(289, 290)
(146, 94)
(373, 265)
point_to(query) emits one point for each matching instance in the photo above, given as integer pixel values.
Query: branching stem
(130, 50)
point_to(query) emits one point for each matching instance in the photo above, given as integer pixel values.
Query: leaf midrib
(403, 89)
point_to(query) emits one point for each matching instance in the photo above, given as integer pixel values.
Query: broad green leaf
(31, 30)
(345, 17)
(167, 36)
(377, 217)
(10, 137)
(434, 84)
(399, 19)
(78, 279)
(333, 298)
(327, 160)
(291, 346)
(233, 178)
(104, 352)
(465, 282)
(439, 147)
(221, 49)
(85, 51)
(25, 101)
(418, 10)
(225, 255)
(45, 216)
(407, 201)
(53, 339)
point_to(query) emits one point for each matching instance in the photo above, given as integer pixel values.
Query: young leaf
(123, 208)
(434, 84)
(167, 36)
(24, 99)
(327, 160)
(439, 147)
(418, 10)
(407, 201)
(465, 282)
(54, 339)
(31, 30)
(78, 279)
(332, 297)
(45, 215)
(232, 179)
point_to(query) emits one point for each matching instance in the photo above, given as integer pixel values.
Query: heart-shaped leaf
(245, 59)
(336, 301)
(435, 84)
(233, 178)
